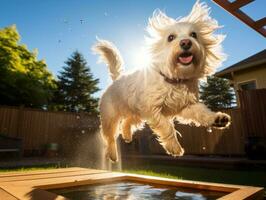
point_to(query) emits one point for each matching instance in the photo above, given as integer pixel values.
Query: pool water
(134, 191)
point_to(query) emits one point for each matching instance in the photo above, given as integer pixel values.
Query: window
(250, 85)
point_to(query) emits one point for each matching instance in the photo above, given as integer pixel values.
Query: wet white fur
(144, 95)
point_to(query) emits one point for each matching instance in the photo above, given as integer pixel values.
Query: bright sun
(138, 58)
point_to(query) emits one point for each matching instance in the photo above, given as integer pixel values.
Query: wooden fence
(38, 128)
(253, 110)
(197, 140)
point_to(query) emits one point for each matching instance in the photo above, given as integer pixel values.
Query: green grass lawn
(240, 177)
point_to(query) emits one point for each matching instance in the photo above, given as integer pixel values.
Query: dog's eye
(171, 38)
(194, 35)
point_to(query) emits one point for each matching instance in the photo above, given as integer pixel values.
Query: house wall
(255, 73)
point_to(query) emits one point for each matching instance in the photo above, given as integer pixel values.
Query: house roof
(252, 61)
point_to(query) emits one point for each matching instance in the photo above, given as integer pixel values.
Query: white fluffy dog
(182, 51)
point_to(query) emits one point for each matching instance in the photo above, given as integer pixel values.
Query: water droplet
(209, 129)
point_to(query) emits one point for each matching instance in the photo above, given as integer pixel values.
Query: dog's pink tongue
(186, 60)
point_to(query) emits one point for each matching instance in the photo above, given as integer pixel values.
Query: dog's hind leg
(109, 128)
(164, 128)
(127, 131)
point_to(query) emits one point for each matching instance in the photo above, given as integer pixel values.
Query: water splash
(106, 164)
(209, 130)
(90, 152)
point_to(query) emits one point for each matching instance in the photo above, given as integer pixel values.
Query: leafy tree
(216, 93)
(24, 79)
(76, 86)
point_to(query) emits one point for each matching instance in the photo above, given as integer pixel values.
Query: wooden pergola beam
(233, 8)
(261, 22)
(239, 3)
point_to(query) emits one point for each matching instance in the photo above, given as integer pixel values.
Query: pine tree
(76, 86)
(216, 93)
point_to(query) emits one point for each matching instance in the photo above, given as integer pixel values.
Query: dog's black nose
(185, 44)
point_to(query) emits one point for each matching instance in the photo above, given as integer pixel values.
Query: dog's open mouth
(185, 58)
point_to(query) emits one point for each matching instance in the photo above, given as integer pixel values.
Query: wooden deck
(33, 185)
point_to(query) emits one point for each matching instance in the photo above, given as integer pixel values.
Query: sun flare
(139, 58)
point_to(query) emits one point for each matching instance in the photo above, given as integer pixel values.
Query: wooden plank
(241, 16)
(196, 140)
(8, 121)
(62, 182)
(38, 127)
(254, 111)
(245, 193)
(183, 183)
(261, 22)
(29, 193)
(45, 171)
(35, 189)
(6, 196)
(250, 22)
(239, 3)
(27, 189)
(103, 178)
(50, 175)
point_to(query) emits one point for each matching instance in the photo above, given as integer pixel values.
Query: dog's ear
(200, 16)
(158, 22)
(199, 12)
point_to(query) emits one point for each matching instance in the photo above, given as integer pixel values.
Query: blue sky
(58, 27)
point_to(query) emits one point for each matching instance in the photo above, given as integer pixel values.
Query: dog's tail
(111, 56)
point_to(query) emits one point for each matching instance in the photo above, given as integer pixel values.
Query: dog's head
(187, 47)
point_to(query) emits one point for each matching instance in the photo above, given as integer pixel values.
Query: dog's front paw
(221, 121)
(127, 137)
(173, 147)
